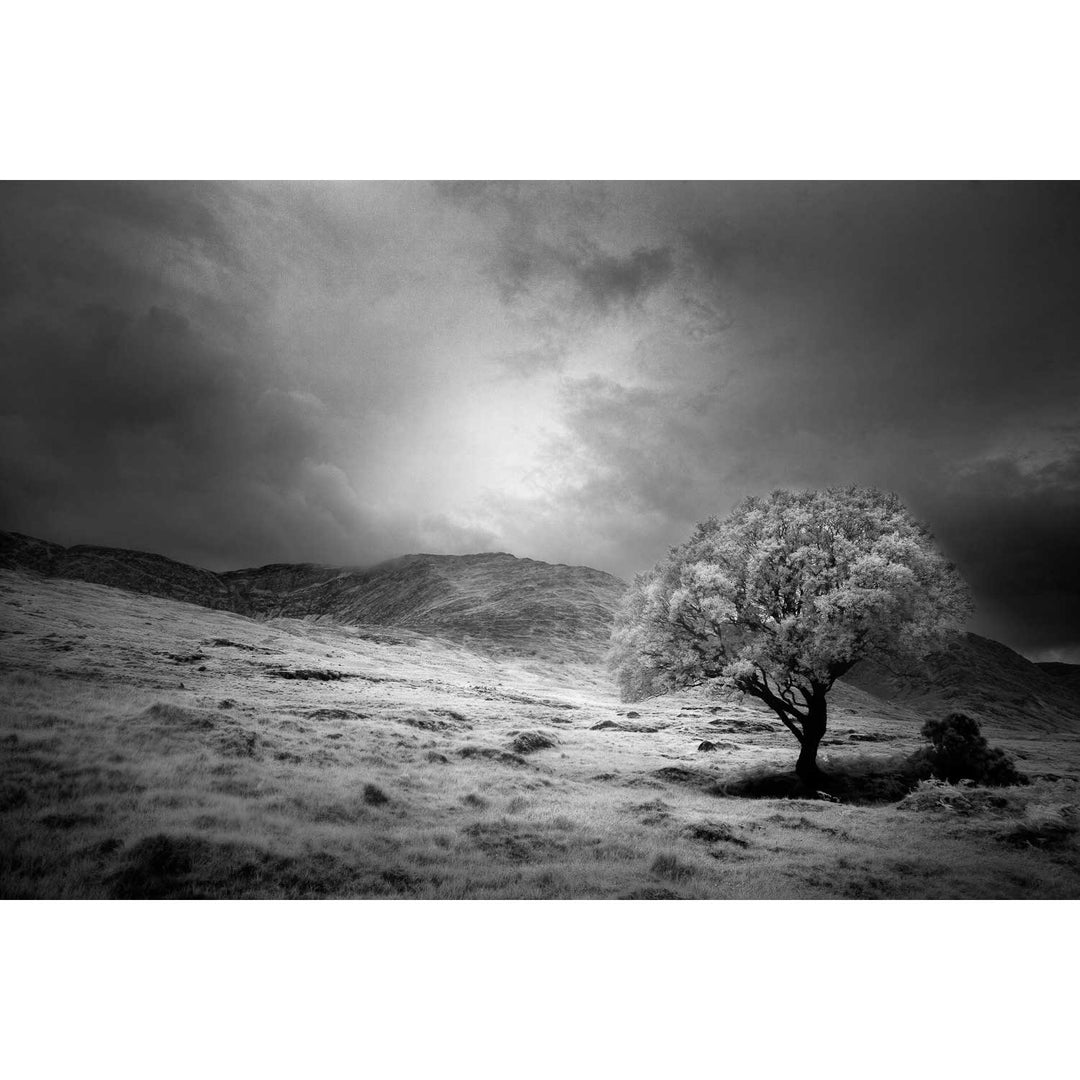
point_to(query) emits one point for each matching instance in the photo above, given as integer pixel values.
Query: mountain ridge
(979, 676)
(498, 603)
(492, 599)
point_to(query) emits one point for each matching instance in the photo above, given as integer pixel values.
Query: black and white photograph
(541, 540)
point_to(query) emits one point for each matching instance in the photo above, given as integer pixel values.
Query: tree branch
(788, 714)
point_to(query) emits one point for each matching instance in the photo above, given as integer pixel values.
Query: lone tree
(782, 597)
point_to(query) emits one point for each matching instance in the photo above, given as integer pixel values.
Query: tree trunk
(813, 726)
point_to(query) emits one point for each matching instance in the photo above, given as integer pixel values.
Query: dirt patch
(318, 674)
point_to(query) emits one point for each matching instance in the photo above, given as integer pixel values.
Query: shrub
(959, 751)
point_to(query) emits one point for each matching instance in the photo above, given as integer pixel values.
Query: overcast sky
(235, 374)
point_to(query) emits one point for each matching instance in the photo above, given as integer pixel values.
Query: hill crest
(498, 603)
(491, 599)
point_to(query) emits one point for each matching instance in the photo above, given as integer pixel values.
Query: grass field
(156, 749)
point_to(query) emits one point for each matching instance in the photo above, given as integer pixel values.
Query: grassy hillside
(502, 605)
(159, 749)
(494, 601)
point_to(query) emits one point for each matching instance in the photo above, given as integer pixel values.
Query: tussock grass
(528, 742)
(114, 781)
(671, 866)
(374, 795)
(1053, 826)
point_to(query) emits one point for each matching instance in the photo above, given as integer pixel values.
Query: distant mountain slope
(503, 604)
(1064, 675)
(981, 677)
(492, 596)
(490, 599)
(136, 571)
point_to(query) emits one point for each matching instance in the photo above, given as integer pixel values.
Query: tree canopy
(783, 597)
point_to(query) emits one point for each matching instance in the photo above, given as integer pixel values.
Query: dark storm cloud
(915, 305)
(547, 241)
(926, 338)
(608, 279)
(921, 338)
(234, 374)
(150, 429)
(594, 280)
(80, 235)
(1014, 531)
(138, 405)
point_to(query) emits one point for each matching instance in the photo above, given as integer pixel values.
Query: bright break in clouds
(236, 374)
